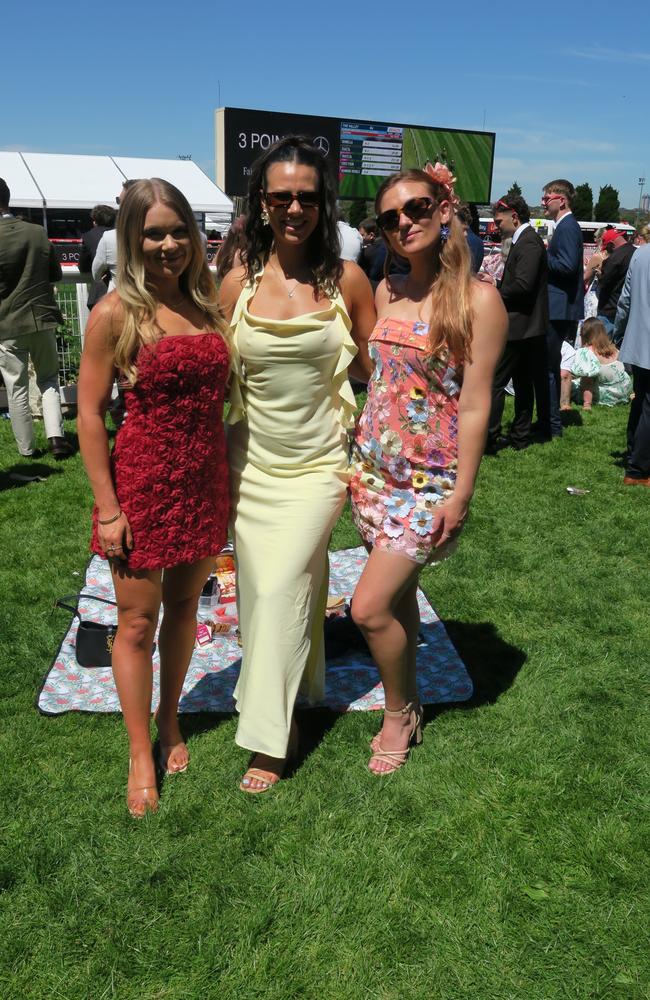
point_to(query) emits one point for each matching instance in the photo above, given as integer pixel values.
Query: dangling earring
(265, 217)
(444, 233)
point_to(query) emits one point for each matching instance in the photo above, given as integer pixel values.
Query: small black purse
(94, 642)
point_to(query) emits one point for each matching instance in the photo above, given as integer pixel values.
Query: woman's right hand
(116, 539)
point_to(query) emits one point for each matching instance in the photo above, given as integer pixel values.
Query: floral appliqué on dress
(404, 452)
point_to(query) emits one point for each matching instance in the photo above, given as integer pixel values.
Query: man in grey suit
(29, 316)
(632, 322)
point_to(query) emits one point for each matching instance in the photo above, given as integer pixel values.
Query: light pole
(638, 211)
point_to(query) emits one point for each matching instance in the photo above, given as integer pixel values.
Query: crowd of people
(290, 320)
(566, 319)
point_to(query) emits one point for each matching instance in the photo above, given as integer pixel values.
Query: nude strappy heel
(397, 758)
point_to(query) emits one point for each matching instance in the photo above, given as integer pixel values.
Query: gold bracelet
(111, 519)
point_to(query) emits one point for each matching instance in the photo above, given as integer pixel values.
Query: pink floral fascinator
(443, 175)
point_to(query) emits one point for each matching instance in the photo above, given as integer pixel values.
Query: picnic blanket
(352, 681)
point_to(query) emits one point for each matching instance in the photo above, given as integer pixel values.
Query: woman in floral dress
(420, 438)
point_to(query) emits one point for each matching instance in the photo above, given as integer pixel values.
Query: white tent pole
(39, 191)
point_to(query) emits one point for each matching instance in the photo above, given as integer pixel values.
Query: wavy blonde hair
(450, 325)
(138, 297)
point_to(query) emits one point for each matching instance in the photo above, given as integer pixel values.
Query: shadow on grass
(26, 473)
(491, 663)
(620, 458)
(571, 418)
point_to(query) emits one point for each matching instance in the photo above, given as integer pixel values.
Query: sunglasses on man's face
(283, 199)
(414, 208)
(550, 197)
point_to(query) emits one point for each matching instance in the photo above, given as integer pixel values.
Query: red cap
(609, 236)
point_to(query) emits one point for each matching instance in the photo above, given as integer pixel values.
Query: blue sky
(565, 86)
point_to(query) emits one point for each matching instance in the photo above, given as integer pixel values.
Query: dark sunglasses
(282, 199)
(415, 208)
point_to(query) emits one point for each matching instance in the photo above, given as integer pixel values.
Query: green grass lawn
(508, 859)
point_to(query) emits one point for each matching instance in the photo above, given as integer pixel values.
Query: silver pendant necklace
(297, 282)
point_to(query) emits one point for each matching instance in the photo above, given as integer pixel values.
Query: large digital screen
(363, 153)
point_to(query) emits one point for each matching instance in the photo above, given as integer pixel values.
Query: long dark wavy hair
(324, 245)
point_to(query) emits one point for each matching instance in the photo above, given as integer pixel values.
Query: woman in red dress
(161, 497)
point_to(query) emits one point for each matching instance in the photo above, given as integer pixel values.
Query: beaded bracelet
(111, 519)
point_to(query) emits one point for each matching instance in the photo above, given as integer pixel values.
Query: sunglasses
(502, 204)
(282, 199)
(550, 197)
(414, 208)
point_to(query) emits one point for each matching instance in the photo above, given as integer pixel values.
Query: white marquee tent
(64, 180)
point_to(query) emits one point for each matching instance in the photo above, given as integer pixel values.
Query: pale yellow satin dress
(291, 409)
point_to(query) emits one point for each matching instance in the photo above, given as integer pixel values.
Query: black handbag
(94, 642)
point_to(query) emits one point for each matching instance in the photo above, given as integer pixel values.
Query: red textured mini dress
(169, 461)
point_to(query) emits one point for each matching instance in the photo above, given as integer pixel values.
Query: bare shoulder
(382, 295)
(354, 285)
(105, 320)
(230, 288)
(485, 296)
(352, 274)
(234, 280)
(390, 290)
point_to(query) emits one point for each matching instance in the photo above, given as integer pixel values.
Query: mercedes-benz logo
(320, 142)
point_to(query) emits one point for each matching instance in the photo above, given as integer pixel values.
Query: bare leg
(407, 613)
(565, 390)
(383, 609)
(587, 386)
(181, 588)
(138, 596)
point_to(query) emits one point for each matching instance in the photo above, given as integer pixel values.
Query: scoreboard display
(361, 153)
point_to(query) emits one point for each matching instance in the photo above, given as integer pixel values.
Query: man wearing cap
(612, 275)
(524, 291)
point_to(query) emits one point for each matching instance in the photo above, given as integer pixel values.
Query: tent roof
(24, 191)
(65, 180)
(202, 194)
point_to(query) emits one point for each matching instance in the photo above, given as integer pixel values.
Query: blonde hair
(644, 233)
(450, 325)
(562, 187)
(139, 303)
(593, 334)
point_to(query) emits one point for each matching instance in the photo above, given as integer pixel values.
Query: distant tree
(608, 205)
(583, 206)
(514, 189)
(357, 212)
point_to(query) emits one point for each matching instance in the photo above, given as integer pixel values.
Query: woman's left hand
(449, 520)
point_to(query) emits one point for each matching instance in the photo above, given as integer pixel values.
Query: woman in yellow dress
(301, 318)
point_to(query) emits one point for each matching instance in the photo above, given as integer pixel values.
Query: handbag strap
(74, 608)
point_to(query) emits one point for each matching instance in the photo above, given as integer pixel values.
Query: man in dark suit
(566, 295)
(103, 218)
(523, 288)
(29, 317)
(373, 251)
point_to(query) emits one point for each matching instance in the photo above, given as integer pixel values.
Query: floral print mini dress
(404, 452)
